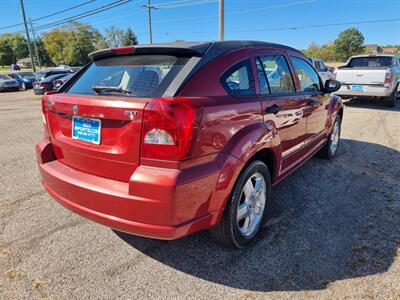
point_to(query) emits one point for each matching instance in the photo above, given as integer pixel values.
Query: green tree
(13, 47)
(71, 44)
(325, 52)
(130, 38)
(6, 53)
(349, 42)
(114, 36)
(312, 50)
(44, 57)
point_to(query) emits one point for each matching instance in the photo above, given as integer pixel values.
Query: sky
(265, 20)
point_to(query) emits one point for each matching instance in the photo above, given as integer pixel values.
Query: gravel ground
(335, 231)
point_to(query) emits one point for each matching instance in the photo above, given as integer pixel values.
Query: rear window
(371, 62)
(40, 75)
(26, 74)
(135, 76)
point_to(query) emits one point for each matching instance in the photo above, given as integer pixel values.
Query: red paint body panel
(113, 185)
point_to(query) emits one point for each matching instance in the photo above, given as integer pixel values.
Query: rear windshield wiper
(102, 89)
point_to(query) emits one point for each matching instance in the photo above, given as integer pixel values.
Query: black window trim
(291, 76)
(258, 60)
(321, 91)
(243, 63)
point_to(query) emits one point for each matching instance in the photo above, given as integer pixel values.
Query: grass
(6, 69)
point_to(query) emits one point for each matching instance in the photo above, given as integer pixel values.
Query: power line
(236, 12)
(291, 28)
(179, 4)
(51, 15)
(81, 15)
(84, 14)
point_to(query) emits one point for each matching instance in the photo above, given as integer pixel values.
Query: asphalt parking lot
(335, 231)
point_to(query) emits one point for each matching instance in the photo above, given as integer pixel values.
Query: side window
(277, 78)
(309, 79)
(238, 80)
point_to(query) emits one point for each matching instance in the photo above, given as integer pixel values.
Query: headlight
(1, 83)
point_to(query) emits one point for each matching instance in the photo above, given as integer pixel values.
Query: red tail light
(388, 78)
(169, 127)
(123, 50)
(44, 104)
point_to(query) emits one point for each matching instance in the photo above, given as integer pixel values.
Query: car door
(281, 106)
(317, 101)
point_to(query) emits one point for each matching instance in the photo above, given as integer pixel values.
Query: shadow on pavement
(368, 103)
(333, 220)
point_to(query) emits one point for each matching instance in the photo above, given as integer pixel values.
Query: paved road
(335, 231)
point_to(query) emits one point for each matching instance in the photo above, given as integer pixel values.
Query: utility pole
(149, 8)
(27, 35)
(34, 44)
(221, 20)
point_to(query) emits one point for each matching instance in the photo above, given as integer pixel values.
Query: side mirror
(331, 86)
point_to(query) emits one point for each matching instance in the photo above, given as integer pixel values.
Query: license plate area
(357, 88)
(86, 129)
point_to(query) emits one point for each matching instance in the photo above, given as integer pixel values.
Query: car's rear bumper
(368, 91)
(9, 88)
(39, 91)
(156, 202)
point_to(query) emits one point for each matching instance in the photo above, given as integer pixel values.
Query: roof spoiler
(184, 49)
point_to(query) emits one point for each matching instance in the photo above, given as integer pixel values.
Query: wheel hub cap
(251, 205)
(335, 138)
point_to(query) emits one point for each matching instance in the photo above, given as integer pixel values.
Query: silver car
(8, 84)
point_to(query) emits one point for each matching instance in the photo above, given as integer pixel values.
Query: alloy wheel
(252, 204)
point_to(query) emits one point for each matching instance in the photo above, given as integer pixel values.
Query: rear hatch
(361, 76)
(95, 121)
(116, 155)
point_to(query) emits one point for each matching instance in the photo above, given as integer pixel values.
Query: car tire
(23, 86)
(247, 207)
(331, 147)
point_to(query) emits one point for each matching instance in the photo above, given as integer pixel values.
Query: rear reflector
(123, 50)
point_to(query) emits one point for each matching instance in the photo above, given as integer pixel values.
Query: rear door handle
(273, 109)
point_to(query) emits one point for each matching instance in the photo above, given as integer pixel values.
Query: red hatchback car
(165, 140)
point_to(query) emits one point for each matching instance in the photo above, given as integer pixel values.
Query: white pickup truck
(375, 76)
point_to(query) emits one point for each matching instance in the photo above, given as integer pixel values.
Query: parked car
(323, 70)
(46, 73)
(14, 67)
(25, 79)
(372, 76)
(8, 84)
(197, 147)
(40, 87)
(60, 81)
(44, 80)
